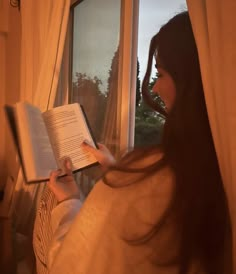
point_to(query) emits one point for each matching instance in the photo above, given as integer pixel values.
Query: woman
(160, 209)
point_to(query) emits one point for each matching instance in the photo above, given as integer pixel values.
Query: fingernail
(68, 163)
(85, 142)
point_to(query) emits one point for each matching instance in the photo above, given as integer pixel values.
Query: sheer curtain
(214, 28)
(44, 25)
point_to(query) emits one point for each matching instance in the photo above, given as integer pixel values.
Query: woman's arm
(62, 217)
(67, 194)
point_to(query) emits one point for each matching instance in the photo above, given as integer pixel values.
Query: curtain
(44, 26)
(111, 127)
(4, 29)
(214, 29)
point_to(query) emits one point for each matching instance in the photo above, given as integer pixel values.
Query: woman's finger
(68, 166)
(87, 146)
(53, 179)
(101, 146)
(54, 174)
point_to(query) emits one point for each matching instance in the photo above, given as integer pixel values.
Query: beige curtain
(214, 25)
(111, 129)
(44, 25)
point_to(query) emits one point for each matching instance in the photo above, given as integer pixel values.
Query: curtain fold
(214, 29)
(44, 25)
(111, 127)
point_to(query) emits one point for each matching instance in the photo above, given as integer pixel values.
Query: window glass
(95, 44)
(94, 77)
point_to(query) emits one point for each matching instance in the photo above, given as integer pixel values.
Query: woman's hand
(65, 187)
(102, 154)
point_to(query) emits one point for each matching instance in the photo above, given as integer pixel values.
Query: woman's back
(112, 233)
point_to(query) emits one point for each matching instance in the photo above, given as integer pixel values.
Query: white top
(100, 238)
(61, 218)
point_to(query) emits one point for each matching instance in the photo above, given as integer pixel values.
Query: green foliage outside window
(148, 123)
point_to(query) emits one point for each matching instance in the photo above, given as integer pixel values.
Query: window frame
(128, 70)
(127, 67)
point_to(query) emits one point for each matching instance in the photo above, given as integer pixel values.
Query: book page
(35, 146)
(67, 129)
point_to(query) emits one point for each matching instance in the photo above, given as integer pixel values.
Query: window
(95, 61)
(103, 76)
(105, 70)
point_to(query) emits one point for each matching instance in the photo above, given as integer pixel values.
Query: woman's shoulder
(136, 199)
(139, 166)
(142, 157)
(137, 187)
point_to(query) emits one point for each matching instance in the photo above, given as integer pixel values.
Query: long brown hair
(199, 200)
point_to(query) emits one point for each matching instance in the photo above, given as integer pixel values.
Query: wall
(3, 38)
(10, 33)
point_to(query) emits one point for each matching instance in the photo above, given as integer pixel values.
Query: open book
(44, 139)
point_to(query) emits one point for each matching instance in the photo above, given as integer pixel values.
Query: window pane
(95, 57)
(95, 62)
